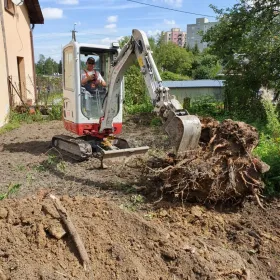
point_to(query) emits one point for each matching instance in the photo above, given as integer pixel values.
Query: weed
(149, 216)
(29, 178)
(13, 188)
(134, 203)
(20, 167)
(39, 168)
(156, 121)
(52, 160)
(61, 166)
(55, 112)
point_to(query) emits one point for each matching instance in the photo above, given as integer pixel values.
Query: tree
(172, 58)
(205, 66)
(40, 65)
(60, 67)
(246, 39)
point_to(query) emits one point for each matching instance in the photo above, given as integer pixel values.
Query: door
(21, 78)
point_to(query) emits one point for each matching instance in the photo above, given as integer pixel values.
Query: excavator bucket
(184, 131)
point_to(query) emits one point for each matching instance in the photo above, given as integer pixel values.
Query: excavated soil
(126, 234)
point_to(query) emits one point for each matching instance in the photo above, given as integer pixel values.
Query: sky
(106, 21)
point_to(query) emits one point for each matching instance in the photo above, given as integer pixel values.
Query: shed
(196, 89)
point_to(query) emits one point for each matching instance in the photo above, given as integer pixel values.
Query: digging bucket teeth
(184, 131)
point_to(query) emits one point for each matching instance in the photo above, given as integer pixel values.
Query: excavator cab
(83, 107)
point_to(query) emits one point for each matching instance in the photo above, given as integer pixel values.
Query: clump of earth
(127, 233)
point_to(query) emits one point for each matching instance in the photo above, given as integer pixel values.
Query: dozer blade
(184, 131)
(121, 154)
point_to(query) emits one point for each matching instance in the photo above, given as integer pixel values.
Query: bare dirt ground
(126, 234)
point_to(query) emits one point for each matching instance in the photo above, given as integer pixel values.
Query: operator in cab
(91, 78)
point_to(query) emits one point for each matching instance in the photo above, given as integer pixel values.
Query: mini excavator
(96, 117)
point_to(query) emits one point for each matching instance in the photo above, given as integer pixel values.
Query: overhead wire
(170, 9)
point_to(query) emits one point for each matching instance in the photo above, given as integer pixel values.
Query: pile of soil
(125, 235)
(223, 168)
(167, 243)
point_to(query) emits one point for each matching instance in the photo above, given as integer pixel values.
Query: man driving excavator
(91, 78)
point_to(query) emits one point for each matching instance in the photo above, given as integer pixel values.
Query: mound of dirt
(166, 244)
(222, 169)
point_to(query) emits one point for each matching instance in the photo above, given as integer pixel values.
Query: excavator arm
(183, 129)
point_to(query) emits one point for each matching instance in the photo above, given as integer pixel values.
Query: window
(68, 69)
(9, 6)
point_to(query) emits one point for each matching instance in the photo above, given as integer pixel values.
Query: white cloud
(68, 2)
(52, 13)
(106, 40)
(153, 33)
(110, 26)
(112, 19)
(169, 22)
(173, 3)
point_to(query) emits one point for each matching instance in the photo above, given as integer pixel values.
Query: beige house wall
(19, 48)
(4, 94)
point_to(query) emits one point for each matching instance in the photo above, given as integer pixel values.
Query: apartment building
(193, 32)
(17, 71)
(176, 36)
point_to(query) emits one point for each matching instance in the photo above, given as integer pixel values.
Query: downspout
(33, 62)
(6, 51)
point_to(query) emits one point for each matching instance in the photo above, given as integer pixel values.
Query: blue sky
(104, 21)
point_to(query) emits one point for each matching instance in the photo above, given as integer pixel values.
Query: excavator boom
(183, 129)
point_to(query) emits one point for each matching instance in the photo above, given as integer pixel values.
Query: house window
(9, 6)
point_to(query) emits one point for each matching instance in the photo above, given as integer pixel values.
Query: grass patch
(13, 188)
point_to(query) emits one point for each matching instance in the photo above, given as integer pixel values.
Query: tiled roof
(34, 11)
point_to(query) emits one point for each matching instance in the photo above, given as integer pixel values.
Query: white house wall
(4, 95)
(18, 41)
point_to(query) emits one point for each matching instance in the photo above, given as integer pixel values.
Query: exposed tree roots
(222, 169)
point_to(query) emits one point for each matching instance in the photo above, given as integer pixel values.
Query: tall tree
(170, 57)
(40, 65)
(247, 42)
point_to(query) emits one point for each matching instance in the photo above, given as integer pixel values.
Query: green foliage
(246, 40)
(207, 106)
(269, 149)
(169, 76)
(55, 112)
(156, 121)
(136, 98)
(13, 188)
(172, 58)
(47, 66)
(205, 66)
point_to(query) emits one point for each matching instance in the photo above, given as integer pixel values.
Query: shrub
(269, 149)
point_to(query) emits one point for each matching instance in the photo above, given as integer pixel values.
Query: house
(196, 89)
(17, 67)
(176, 36)
(196, 31)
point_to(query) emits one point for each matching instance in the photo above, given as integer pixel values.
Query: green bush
(269, 148)
(206, 106)
(139, 108)
(55, 112)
